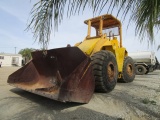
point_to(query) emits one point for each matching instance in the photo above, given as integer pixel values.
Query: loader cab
(105, 26)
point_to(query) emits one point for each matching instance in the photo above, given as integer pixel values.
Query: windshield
(111, 31)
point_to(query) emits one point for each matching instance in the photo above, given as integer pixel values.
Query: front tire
(105, 71)
(128, 73)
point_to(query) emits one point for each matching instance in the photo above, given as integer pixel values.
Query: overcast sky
(14, 15)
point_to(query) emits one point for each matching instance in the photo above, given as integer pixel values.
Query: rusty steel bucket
(63, 74)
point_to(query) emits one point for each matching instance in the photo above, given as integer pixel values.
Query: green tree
(26, 53)
(145, 14)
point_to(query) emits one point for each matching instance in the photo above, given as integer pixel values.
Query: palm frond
(41, 21)
(158, 47)
(145, 13)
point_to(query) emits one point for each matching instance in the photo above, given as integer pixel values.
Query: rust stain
(64, 74)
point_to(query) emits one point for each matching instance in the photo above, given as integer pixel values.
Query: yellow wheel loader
(72, 74)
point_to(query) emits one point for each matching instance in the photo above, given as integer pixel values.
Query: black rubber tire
(140, 70)
(105, 70)
(128, 72)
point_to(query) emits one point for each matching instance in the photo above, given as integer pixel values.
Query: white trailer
(11, 59)
(144, 61)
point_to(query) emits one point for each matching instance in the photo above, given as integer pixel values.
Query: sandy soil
(139, 100)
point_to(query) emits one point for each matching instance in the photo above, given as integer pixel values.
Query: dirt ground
(139, 100)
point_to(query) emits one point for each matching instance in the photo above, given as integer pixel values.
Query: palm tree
(145, 14)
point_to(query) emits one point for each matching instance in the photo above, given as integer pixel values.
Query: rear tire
(140, 70)
(105, 71)
(128, 73)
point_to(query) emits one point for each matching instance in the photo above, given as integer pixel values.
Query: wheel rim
(140, 69)
(110, 71)
(129, 70)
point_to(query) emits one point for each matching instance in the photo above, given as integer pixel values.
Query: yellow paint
(120, 55)
(87, 46)
(77, 44)
(92, 45)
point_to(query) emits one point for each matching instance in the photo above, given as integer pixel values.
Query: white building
(11, 59)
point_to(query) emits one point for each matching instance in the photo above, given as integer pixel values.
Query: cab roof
(109, 21)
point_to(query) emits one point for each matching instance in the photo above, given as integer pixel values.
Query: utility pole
(15, 49)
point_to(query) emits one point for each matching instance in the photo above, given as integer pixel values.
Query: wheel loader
(72, 74)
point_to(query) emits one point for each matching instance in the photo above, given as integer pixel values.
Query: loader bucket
(63, 74)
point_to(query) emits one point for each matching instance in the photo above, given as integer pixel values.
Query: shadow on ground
(43, 101)
(48, 109)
